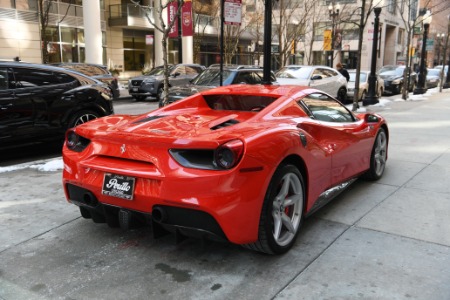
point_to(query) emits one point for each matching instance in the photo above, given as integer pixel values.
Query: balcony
(129, 16)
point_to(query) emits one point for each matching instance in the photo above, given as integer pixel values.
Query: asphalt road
(387, 239)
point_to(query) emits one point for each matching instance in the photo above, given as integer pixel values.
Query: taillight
(229, 154)
(76, 142)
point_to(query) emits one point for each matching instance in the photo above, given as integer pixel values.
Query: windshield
(157, 71)
(300, 72)
(210, 77)
(362, 77)
(392, 70)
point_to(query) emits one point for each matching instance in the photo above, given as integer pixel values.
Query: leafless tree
(165, 29)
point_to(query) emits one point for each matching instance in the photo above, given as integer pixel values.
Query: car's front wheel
(378, 156)
(82, 117)
(342, 94)
(139, 98)
(282, 211)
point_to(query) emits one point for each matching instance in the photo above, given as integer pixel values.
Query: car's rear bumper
(230, 200)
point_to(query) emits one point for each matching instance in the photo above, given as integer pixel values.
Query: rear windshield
(238, 102)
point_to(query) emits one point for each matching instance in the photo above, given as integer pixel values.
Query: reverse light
(76, 142)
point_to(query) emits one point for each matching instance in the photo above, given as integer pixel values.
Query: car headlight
(225, 157)
(76, 142)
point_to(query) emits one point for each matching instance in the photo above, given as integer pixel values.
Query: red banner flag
(172, 8)
(186, 18)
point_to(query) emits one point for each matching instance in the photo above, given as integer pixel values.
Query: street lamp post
(422, 84)
(372, 97)
(333, 11)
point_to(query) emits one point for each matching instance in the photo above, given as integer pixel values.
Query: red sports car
(244, 164)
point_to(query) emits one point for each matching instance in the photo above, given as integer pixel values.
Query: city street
(388, 239)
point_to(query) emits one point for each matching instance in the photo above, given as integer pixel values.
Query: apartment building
(130, 43)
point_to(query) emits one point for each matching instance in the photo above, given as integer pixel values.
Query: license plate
(118, 186)
(135, 89)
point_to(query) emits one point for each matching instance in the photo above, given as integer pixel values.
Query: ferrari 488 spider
(243, 163)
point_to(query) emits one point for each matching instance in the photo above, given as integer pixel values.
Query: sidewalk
(388, 239)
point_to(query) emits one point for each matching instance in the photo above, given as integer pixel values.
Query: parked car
(393, 78)
(433, 78)
(40, 102)
(320, 77)
(238, 163)
(210, 78)
(98, 72)
(152, 83)
(363, 85)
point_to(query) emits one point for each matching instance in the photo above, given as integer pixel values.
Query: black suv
(99, 72)
(393, 78)
(152, 83)
(40, 102)
(210, 78)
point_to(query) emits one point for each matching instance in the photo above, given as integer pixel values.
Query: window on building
(135, 49)
(319, 28)
(391, 6)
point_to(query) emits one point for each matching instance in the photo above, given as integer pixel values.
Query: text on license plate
(118, 186)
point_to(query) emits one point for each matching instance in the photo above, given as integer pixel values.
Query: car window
(321, 72)
(180, 69)
(244, 77)
(26, 77)
(66, 78)
(192, 70)
(238, 102)
(330, 73)
(4, 79)
(324, 108)
(210, 77)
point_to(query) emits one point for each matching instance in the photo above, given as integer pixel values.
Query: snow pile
(44, 166)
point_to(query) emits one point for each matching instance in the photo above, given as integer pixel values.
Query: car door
(347, 139)
(13, 114)
(325, 83)
(46, 91)
(18, 111)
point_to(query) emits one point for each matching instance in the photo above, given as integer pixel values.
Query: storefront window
(136, 52)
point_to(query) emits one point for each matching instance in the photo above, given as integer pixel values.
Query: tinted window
(323, 108)
(65, 78)
(34, 77)
(3, 79)
(238, 102)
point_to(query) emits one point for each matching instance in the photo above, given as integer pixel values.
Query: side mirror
(316, 77)
(369, 118)
(176, 74)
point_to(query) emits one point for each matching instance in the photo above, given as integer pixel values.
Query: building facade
(131, 44)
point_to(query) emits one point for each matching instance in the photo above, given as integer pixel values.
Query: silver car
(363, 85)
(323, 78)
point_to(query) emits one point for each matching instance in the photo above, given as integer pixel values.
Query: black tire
(82, 116)
(378, 157)
(342, 94)
(139, 98)
(282, 208)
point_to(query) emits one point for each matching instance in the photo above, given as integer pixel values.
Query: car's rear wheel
(378, 157)
(83, 116)
(282, 211)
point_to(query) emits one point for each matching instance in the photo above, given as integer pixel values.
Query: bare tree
(204, 17)
(165, 29)
(44, 7)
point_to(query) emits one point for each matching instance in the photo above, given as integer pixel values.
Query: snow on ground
(43, 166)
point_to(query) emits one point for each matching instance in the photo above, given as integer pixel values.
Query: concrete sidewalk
(388, 239)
